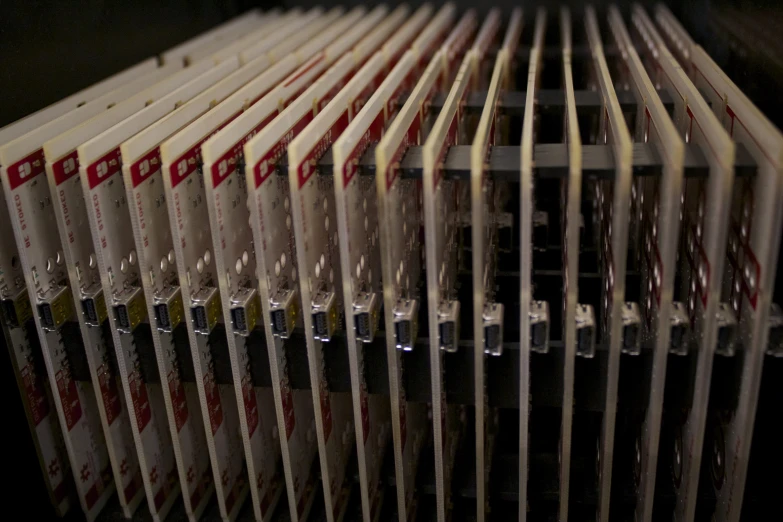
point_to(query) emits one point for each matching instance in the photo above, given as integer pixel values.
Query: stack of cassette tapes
(396, 264)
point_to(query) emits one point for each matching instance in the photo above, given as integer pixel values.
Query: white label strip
(455, 44)
(571, 201)
(31, 142)
(678, 39)
(427, 43)
(513, 34)
(483, 237)
(65, 143)
(382, 33)
(233, 45)
(398, 42)
(354, 39)
(306, 49)
(287, 39)
(291, 21)
(487, 34)
(177, 54)
(211, 51)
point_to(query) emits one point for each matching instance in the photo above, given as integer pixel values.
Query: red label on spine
(160, 497)
(34, 389)
(227, 163)
(288, 408)
(304, 69)
(372, 135)
(189, 161)
(141, 403)
(185, 165)
(144, 167)
(94, 493)
(69, 397)
(440, 158)
(411, 137)
(336, 88)
(104, 168)
(66, 167)
(266, 165)
(368, 91)
(26, 169)
(109, 393)
(307, 166)
(236, 488)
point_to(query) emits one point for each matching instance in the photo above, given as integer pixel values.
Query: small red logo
(54, 467)
(85, 475)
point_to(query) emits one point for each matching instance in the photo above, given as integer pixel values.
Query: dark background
(51, 49)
